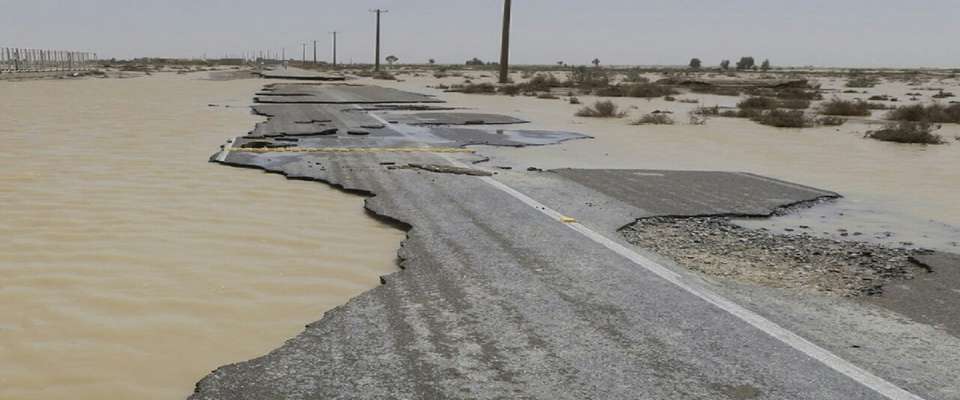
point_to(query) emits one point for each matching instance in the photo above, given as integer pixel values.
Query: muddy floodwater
(130, 267)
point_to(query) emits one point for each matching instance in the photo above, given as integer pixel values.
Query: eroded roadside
(497, 299)
(717, 247)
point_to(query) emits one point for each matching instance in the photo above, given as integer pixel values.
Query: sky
(830, 33)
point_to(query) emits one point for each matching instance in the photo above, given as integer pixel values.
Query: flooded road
(130, 267)
(910, 190)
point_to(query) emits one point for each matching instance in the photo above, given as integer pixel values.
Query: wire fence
(13, 60)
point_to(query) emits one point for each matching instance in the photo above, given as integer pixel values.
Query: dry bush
(649, 90)
(654, 119)
(762, 103)
(717, 90)
(601, 109)
(542, 82)
(798, 94)
(475, 88)
(862, 82)
(930, 113)
(706, 111)
(907, 132)
(848, 108)
(831, 121)
(784, 119)
(795, 104)
(509, 90)
(769, 103)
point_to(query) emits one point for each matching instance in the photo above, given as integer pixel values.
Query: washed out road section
(497, 299)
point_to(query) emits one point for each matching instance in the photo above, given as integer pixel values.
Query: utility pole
(304, 44)
(505, 44)
(334, 48)
(376, 66)
(314, 52)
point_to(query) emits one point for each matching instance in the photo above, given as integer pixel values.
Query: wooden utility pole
(505, 44)
(376, 65)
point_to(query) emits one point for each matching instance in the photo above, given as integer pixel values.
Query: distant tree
(392, 59)
(596, 62)
(432, 61)
(695, 63)
(725, 65)
(475, 61)
(746, 63)
(766, 65)
(560, 63)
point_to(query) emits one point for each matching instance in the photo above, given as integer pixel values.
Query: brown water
(130, 267)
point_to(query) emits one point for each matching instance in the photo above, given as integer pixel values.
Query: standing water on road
(130, 267)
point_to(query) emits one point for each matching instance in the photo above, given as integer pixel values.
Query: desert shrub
(542, 82)
(669, 98)
(601, 109)
(862, 82)
(588, 78)
(798, 94)
(763, 103)
(384, 75)
(879, 97)
(654, 119)
(749, 113)
(717, 90)
(831, 121)
(943, 95)
(877, 106)
(574, 100)
(475, 88)
(706, 111)
(649, 90)
(837, 106)
(907, 132)
(794, 104)
(689, 101)
(769, 103)
(609, 91)
(547, 96)
(930, 113)
(784, 119)
(634, 76)
(509, 90)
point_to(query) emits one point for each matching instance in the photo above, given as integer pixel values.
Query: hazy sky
(788, 32)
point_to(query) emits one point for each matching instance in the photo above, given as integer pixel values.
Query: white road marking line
(865, 378)
(226, 150)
